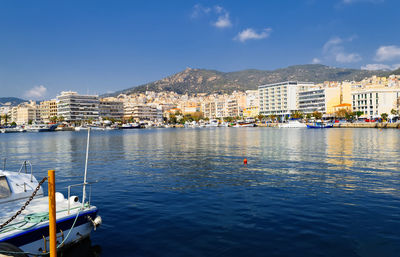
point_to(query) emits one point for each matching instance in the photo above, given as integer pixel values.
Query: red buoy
(245, 161)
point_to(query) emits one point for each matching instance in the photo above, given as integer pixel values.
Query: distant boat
(130, 126)
(41, 128)
(212, 123)
(244, 124)
(12, 130)
(292, 124)
(320, 124)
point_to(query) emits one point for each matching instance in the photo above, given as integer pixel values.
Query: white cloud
(386, 53)
(334, 49)
(396, 66)
(316, 61)
(380, 66)
(36, 93)
(199, 10)
(347, 58)
(362, 1)
(375, 66)
(250, 33)
(221, 14)
(223, 21)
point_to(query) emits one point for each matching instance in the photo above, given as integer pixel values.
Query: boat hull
(319, 126)
(33, 240)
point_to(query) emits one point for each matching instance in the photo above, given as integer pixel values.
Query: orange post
(52, 213)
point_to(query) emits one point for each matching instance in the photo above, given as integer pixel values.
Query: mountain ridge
(12, 101)
(193, 81)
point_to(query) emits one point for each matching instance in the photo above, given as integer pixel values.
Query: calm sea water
(186, 192)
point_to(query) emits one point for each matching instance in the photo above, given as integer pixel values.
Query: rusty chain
(24, 206)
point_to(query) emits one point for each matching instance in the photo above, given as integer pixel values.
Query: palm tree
(297, 115)
(317, 115)
(6, 117)
(384, 116)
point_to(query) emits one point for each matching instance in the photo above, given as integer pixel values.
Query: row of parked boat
(30, 128)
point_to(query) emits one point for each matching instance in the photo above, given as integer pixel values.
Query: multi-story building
(281, 99)
(190, 107)
(74, 107)
(251, 112)
(111, 109)
(375, 101)
(320, 99)
(252, 98)
(25, 113)
(48, 109)
(214, 108)
(141, 112)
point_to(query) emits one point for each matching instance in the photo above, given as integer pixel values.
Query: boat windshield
(4, 188)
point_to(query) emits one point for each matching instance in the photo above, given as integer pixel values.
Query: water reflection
(297, 182)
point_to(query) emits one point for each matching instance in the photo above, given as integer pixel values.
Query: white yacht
(292, 124)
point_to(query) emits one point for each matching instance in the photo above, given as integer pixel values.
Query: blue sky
(103, 46)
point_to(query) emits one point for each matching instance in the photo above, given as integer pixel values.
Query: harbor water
(186, 192)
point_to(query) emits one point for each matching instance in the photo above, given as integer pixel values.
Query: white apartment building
(141, 112)
(281, 99)
(74, 107)
(375, 101)
(111, 109)
(312, 100)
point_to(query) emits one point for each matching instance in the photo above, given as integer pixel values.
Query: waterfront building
(344, 106)
(190, 107)
(141, 112)
(232, 108)
(111, 108)
(281, 99)
(375, 101)
(214, 108)
(252, 98)
(48, 109)
(25, 113)
(251, 112)
(319, 99)
(74, 107)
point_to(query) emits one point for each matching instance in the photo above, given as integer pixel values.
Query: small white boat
(24, 216)
(212, 123)
(292, 124)
(244, 124)
(13, 130)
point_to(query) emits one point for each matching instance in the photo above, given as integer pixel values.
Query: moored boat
(24, 216)
(292, 124)
(320, 124)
